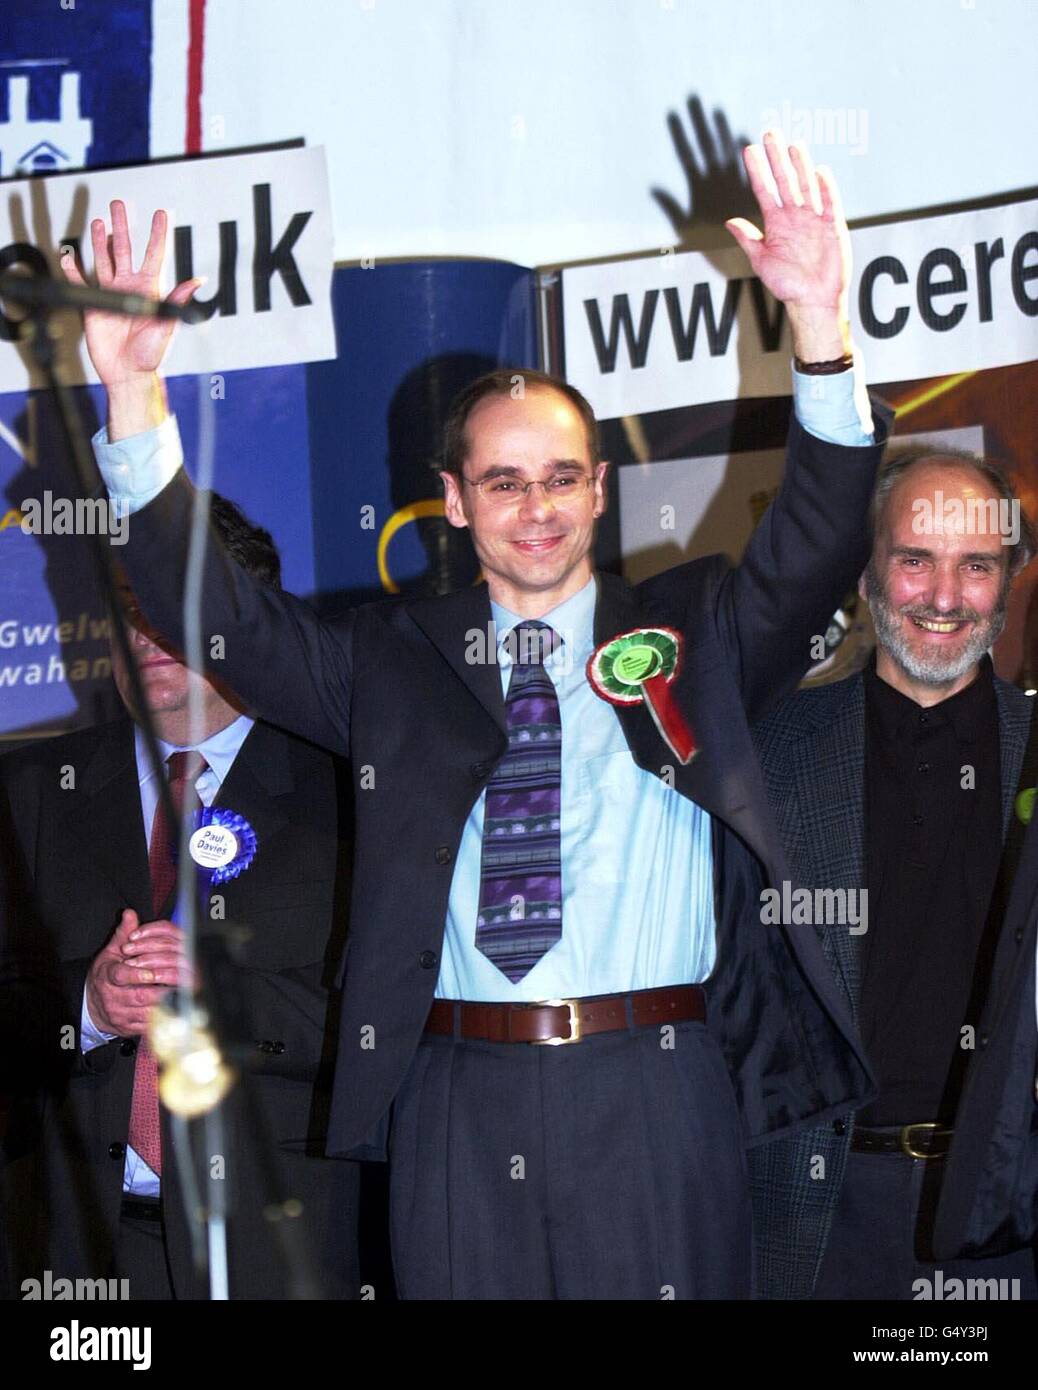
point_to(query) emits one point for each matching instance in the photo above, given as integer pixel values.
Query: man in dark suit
(897, 786)
(989, 1196)
(93, 1186)
(534, 861)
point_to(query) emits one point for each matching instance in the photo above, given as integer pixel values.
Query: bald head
(989, 504)
(938, 581)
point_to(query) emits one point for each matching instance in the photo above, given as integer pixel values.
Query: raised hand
(122, 348)
(803, 254)
(127, 352)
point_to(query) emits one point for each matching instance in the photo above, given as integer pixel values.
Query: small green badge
(636, 664)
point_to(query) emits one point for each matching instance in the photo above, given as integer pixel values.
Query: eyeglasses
(504, 491)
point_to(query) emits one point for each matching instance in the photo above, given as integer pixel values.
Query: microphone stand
(42, 297)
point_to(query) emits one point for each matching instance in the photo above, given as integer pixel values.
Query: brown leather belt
(558, 1021)
(926, 1140)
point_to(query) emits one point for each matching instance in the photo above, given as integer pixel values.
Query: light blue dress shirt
(637, 871)
(219, 752)
(637, 867)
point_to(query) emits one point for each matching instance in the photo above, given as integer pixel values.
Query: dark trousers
(609, 1169)
(879, 1243)
(140, 1258)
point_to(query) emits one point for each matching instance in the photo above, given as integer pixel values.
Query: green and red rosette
(639, 666)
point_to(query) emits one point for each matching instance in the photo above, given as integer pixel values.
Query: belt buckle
(907, 1146)
(574, 1024)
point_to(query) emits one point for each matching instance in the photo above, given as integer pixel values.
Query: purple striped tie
(520, 889)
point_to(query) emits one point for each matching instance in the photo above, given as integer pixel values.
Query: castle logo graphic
(38, 146)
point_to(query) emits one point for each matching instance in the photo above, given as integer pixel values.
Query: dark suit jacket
(989, 1196)
(425, 727)
(812, 749)
(84, 858)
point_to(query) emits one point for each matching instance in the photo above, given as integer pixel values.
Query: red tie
(184, 769)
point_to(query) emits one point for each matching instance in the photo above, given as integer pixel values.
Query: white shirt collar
(573, 620)
(219, 750)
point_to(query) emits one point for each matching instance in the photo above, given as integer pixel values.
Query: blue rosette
(223, 844)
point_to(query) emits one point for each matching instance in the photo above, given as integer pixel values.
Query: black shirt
(933, 841)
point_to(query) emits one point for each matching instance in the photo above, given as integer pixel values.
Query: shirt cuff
(91, 1036)
(137, 468)
(835, 408)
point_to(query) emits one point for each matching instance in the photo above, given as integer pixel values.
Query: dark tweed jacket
(812, 749)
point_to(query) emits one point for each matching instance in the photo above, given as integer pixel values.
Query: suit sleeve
(287, 665)
(35, 1044)
(806, 554)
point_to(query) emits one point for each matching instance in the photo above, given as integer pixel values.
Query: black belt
(925, 1140)
(141, 1208)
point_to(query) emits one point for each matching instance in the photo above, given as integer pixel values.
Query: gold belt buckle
(906, 1139)
(574, 1023)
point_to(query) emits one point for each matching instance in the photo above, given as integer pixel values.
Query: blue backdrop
(328, 457)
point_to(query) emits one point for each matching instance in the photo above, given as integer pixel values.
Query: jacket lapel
(259, 776)
(458, 626)
(616, 611)
(105, 818)
(1014, 724)
(707, 779)
(829, 777)
(261, 772)
(454, 624)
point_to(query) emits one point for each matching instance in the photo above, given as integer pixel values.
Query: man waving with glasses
(540, 859)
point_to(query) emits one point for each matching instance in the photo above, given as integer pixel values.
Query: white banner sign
(257, 225)
(930, 297)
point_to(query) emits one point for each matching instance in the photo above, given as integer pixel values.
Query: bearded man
(899, 783)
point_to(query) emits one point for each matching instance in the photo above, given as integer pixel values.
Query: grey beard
(932, 669)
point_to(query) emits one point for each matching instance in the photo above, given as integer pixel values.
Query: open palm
(121, 348)
(803, 254)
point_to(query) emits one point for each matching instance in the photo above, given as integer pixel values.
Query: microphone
(41, 291)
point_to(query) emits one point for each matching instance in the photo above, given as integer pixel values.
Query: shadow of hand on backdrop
(713, 169)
